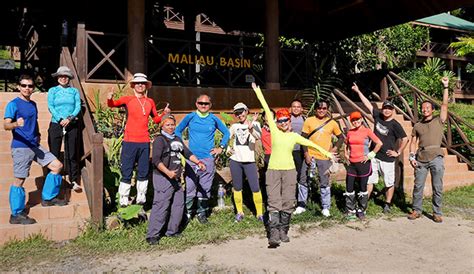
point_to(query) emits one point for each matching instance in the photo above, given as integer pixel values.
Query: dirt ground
(380, 245)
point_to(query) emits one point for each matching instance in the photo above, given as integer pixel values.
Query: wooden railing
(410, 111)
(105, 68)
(93, 159)
(407, 104)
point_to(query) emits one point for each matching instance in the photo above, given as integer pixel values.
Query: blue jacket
(63, 103)
(201, 133)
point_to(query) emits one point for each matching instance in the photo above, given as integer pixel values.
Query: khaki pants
(281, 190)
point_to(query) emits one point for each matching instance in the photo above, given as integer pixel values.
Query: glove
(371, 155)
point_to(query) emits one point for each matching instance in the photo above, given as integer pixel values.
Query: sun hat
(283, 113)
(355, 115)
(240, 107)
(388, 104)
(140, 78)
(63, 70)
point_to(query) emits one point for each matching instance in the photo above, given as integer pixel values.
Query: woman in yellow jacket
(281, 173)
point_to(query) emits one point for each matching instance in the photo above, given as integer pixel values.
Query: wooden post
(136, 37)
(81, 51)
(272, 45)
(383, 89)
(97, 178)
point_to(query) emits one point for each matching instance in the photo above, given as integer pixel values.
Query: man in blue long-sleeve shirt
(202, 127)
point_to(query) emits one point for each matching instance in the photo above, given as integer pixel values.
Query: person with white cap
(394, 140)
(64, 104)
(136, 141)
(243, 136)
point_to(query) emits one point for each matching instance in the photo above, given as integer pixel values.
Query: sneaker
(437, 218)
(202, 218)
(386, 209)
(299, 210)
(239, 217)
(153, 240)
(414, 215)
(54, 202)
(21, 219)
(76, 187)
(326, 212)
(260, 218)
(361, 215)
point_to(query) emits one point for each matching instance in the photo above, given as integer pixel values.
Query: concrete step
(5, 145)
(7, 170)
(6, 135)
(56, 230)
(450, 181)
(33, 197)
(8, 96)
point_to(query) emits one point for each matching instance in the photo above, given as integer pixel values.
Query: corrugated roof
(448, 21)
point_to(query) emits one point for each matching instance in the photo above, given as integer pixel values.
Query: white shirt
(243, 141)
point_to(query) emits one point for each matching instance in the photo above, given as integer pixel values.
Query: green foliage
(428, 78)
(129, 212)
(395, 46)
(464, 46)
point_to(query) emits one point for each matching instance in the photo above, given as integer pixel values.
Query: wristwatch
(222, 146)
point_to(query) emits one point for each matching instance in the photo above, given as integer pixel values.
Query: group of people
(293, 146)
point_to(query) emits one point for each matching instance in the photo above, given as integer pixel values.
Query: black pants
(55, 139)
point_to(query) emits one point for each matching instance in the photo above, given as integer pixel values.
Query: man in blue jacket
(201, 126)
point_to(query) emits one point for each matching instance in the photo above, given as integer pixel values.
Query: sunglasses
(25, 85)
(203, 103)
(284, 120)
(322, 108)
(141, 83)
(238, 113)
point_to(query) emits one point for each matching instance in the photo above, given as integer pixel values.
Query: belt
(429, 147)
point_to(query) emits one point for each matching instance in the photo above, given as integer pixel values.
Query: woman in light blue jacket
(64, 103)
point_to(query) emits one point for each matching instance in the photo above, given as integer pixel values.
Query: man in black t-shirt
(390, 132)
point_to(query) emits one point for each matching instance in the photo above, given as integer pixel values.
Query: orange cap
(355, 115)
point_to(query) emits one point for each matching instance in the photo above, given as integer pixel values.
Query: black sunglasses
(203, 103)
(282, 120)
(323, 108)
(25, 85)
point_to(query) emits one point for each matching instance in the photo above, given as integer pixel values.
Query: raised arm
(305, 142)
(364, 99)
(268, 114)
(443, 115)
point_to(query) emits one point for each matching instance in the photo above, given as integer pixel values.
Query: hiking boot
(202, 218)
(326, 212)
(437, 218)
(285, 219)
(21, 219)
(414, 215)
(153, 240)
(299, 210)
(54, 202)
(239, 217)
(387, 209)
(76, 187)
(361, 215)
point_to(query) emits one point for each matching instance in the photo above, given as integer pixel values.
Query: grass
(36, 250)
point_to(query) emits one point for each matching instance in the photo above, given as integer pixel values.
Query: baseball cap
(388, 104)
(240, 107)
(355, 115)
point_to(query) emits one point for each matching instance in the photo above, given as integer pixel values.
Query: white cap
(240, 106)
